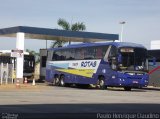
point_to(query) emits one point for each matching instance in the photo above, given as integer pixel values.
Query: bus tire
(62, 80)
(127, 88)
(56, 81)
(102, 83)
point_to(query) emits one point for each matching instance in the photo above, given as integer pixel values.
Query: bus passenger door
(111, 58)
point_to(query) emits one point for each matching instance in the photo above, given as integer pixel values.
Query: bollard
(25, 81)
(17, 83)
(33, 83)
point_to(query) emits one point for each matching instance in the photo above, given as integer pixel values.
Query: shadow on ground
(84, 87)
(144, 89)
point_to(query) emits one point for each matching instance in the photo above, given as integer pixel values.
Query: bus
(29, 62)
(112, 64)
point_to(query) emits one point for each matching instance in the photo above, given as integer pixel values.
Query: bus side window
(67, 54)
(90, 53)
(70, 54)
(98, 52)
(55, 56)
(63, 57)
(101, 51)
(58, 55)
(79, 54)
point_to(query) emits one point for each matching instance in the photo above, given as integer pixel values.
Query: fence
(6, 73)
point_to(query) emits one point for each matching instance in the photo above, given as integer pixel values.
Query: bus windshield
(132, 59)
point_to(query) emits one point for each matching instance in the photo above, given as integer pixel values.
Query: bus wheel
(127, 88)
(56, 81)
(102, 83)
(62, 80)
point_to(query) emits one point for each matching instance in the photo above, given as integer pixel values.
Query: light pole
(122, 23)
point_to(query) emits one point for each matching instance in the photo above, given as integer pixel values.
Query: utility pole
(121, 35)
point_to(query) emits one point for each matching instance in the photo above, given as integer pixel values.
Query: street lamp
(122, 23)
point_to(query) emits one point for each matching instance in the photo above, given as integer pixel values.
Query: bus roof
(117, 44)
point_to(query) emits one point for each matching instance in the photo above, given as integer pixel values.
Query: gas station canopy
(22, 32)
(56, 34)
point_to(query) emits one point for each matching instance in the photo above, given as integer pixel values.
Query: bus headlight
(121, 79)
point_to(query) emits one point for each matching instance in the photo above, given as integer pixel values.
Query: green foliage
(64, 24)
(37, 55)
(79, 26)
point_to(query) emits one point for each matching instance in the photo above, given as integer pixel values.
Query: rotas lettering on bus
(88, 64)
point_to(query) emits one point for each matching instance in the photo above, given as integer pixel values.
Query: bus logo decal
(88, 64)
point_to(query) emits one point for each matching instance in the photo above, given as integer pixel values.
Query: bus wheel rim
(62, 82)
(101, 83)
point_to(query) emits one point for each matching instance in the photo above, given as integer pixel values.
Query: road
(55, 100)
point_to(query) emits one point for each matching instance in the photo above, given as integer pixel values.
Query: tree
(37, 55)
(79, 26)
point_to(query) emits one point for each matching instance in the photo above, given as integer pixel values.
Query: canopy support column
(19, 62)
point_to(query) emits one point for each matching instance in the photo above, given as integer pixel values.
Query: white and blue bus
(114, 64)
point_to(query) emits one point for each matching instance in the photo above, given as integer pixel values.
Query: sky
(142, 18)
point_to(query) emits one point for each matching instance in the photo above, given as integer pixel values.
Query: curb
(152, 88)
